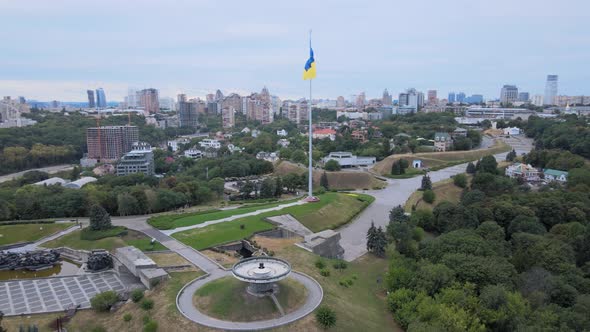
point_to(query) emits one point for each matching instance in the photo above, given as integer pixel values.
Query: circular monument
(261, 273)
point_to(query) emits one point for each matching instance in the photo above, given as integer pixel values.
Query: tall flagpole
(310, 175)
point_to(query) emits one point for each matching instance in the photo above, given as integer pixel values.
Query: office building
(218, 95)
(110, 142)
(538, 100)
(188, 114)
(523, 96)
(550, 90)
(340, 102)
(139, 160)
(148, 99)
(91, 103)
(233, 101)
(460, 97)
(361, 100)
(131, 99)
(228, 117)
(432, 99)
(410, 101)
(451, 97)
(101, 99)
(387, 99)
(347, 159)
(474, 99)
(508, 94)
(498, 113)
(181, 98)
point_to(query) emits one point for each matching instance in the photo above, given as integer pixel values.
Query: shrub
(332, 165)
(320, 264)
(460, 180)
(428, 196)
(104, 301)
(325, 272)
(151, 326)
(340, 265)
(326, 317)
(343, 283)
(137, 295)
(127, 317)
(93, 235)
(98, 329)
(146, 319)
(147, 304)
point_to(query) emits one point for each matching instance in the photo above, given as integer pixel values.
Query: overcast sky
(58, 49)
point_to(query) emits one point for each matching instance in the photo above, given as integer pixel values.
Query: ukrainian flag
(309, 71)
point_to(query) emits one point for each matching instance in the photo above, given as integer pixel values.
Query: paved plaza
(54, 294)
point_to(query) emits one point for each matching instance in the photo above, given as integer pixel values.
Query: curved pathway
(397, 192)
(184, 302)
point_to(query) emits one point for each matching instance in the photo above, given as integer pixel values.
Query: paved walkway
(396, 193)
(55, 294)
(35, 245)
(230, 218)
(184, 301)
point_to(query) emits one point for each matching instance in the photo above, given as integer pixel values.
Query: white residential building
(511, 131)
(347, 159)
(210, 143)
(282, 133)
(555, 175)
(527, 172)
(193, 153)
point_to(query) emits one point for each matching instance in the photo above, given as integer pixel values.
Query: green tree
(75, 174)
(371, 237)
(299, 156)
(397, 214)
(279, 186)
(332, 165)
(510, 156)
(460, 180)
(268, 188)
(104, 301)
(433, 277)
(99, 218)
(127, 204)
(428, 196)
(470, 168)
(426, 183)
(326, 317)
(380, 243)
(324, 181)
(488, 164)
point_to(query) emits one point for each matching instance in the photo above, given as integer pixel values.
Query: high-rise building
(210, 98)
(131, 99)
(411, 100)
(538, 100)
(461, 97)
(101, 99)
(550, 90)
(188, 115)
(387, 100)
(148, 99)
(508, 94)
(233, 101)
(181, 97)
(110, 142)
(474, 99)
(228, 117)
(523, 96)
(91, 103)
(361, 100)
(432, 99)
(451, 97)
(218, 96)
(340, 102)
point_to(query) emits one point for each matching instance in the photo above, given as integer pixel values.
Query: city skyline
(459, 46)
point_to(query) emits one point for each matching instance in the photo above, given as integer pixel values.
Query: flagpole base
(311, 199)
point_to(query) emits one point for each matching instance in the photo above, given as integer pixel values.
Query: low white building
(282, 133)
(80, 183)
(283, 142)
(555, 175)
(347, 159)
(174, 144)
(210, 143)
(51, 181)
(268, 156)
(524, 171)
(511, 131)
(193, 153)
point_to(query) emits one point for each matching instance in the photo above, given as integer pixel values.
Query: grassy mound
(227, 299)
(74, 240)
(10, 234)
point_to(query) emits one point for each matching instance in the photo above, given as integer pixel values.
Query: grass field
(444, 190)
(332, 211)
(11, 234)
(438, 160)
(342, 180)
(171, 221)
(227, 299)
(133, 238)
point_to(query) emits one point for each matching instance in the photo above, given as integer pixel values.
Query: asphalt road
(396, 193)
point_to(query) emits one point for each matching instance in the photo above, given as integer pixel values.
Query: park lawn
(439, 160)
(209, 236)
(226, 299)
(11, 234)
(360, 307)
(444, 190)
(171, 221)
(132, 238)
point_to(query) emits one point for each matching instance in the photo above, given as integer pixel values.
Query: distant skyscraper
(386, 100)
(523, 96)
(361, 100)
(188, 114)
(132, 98)
(508, 94)
(91, 103)
(210, 98)
(228, 117)
(148, 99)
(101, 99)
(218, 95)
(340, 102)
(181, 98)
(432, 99)
(538, 100)
(550, 90)
(22, 100)
(474, 99)
(460, 97)
(451, 97)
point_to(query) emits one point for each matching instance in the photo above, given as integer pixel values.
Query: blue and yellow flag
(309, 71)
